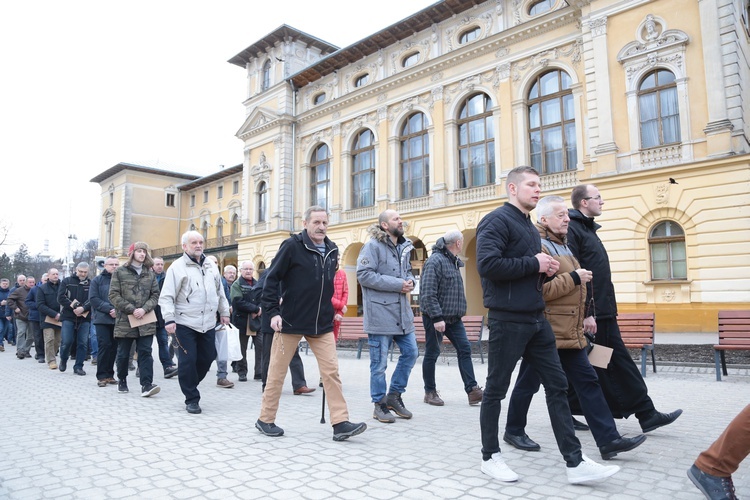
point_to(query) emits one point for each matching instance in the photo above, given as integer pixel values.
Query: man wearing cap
(73, 296)
(134, 293)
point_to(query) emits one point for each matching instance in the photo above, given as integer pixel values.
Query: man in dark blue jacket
(622, 383)
(49, 316)
(104, 314)
(34, 327)
(513, 268)
(304, 268)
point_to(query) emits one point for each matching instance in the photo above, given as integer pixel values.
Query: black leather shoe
(522, 442)
(79, 371)
(659, 420)
(193, 408)
(243, 377)
(579, 426)
(610, 450)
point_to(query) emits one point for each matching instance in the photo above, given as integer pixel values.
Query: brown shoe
(53, 366)
(303, 390)
(475, 395)
(112, 381)
(224, 383)
(102, 382)
(2, 348)
(433, 398)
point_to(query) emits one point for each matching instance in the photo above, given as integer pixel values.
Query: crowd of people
(546, 285)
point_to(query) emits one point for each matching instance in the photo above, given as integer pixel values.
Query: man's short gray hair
(314, 208)
(82, 265)
(230, 267)
(544, 207)
(452, 237)
(247, 262)
(186, 236)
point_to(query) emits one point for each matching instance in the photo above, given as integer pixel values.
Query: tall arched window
(262, 202)
(414, 159)
(476, 142)
(552, 128)
(668, 257)
(235, 225)
(319, 176)
(266, 75)
(363, 170)
(204, 230)
(658, 109)
(220, 228)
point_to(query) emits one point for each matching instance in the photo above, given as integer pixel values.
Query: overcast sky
(87, 84)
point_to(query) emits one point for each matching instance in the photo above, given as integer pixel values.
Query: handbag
(253, 325)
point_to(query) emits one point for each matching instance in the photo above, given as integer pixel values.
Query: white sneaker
(495, 467)
(588, 470)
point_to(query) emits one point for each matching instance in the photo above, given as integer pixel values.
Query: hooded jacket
(590, 252)
(441, 287)
(564, 296)
(382, 268)
(192, 294)
(99, 299)
(128, 291)
(74, 289)
(47, 304)
(306, 278)
(507, 244)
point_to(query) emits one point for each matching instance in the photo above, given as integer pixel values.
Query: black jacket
(507, 244)
(46, 303)
(99, 299)
(306, 277)
(244, 307)
(591, 254)
(72, 288)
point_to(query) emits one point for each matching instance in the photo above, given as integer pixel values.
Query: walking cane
(323, 408)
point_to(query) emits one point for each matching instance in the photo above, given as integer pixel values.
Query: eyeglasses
(597, 198)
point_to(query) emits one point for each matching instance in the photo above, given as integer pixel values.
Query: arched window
(414, 159)
(540, 7)
(469, 35)
(658, 109)
(410, 60)
(266, 75)
(363, 170)
(319, 176)
(235, 225)
(220, 228)
(262, 202)
(552, 128)
(261, 268)
(204, 230)
(319, 98)
(668, 257)
(362, 80)
(476, 142)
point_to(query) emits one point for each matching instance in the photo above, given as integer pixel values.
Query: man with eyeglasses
(246, 317)
(622, 383)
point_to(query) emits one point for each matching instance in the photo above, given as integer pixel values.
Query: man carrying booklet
(134, 293)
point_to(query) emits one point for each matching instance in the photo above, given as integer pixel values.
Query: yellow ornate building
(427, 116)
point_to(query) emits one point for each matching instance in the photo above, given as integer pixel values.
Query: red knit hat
(131, 248)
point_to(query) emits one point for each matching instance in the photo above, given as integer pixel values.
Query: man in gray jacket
(384, 273)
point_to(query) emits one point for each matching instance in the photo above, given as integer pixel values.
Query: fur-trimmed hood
(379, 234)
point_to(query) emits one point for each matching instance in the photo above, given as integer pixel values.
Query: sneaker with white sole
(496, 468)
(588, 470)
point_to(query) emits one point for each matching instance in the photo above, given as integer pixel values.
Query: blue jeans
(74, 332)
(379, 345)
(93, 342)
(456, 333)
(162, 339)
(509, 341)
(4, 329)
(582, 377)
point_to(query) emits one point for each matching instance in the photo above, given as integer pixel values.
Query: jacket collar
(584, 219)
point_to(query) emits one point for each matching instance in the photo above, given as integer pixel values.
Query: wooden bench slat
(734, 335)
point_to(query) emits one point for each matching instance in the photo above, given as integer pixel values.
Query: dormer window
(362, 80)
(319, 98)
(469, 35)
(540, 7)
(410, 60)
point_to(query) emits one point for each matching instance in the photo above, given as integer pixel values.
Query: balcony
(211, 243)
(474, 194)
(661, 156)
(560, 180)
(360, 214)
(413, 205)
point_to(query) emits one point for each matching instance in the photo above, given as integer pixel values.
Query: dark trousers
(145, 360)
(195, 353)
(535, 342)
(105, 359)
(162, 339)
(456, 333)
(622, 383)
(38, 336)
(74, 334)
(241, 365)
(296, 367)
(582, 377)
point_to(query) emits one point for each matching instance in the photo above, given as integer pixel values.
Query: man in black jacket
(304, 268)
(246, 317)
(622, 383)
(513, 268)
(73, 296)
(104, 318)
(49, 316)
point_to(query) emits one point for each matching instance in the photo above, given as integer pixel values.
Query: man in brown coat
(134, 293)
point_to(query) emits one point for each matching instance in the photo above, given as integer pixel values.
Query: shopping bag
(234, 348)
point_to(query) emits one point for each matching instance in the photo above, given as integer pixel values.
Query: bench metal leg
(481, 352)
(653, 359)
(716, 361)
(643, 362)
(360, 343)
(724, 364)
